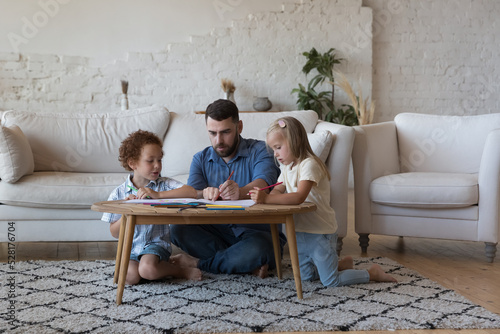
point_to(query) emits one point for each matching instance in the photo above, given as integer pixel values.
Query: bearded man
(228, 170)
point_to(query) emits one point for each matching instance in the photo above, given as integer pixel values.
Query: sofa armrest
(375, 154)
(338, 163)
(489, 189)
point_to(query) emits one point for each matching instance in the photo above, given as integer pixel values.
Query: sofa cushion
(84, 142)
(188, 135)
(426, 190)
(65, 190)
(16, 159)
(321, 143)
(435, 143)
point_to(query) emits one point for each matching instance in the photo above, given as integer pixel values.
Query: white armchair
(429, 176)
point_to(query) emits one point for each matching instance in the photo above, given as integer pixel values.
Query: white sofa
(429, 176)
(54, 166)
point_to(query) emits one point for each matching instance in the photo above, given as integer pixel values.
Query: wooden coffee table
(140, 214)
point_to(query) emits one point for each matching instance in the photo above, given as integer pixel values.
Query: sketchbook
(191, 201)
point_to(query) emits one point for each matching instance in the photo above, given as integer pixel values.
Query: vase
(230, 97)
(262, 104)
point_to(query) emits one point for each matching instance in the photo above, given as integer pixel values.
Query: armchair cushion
(426, 190)
(16, 158)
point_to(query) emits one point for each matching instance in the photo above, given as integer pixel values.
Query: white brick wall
(437, 57)
(262, 54)
(428, 56)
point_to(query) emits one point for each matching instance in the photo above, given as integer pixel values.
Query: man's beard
(229, 151)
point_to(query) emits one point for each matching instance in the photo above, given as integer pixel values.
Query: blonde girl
(306, 178)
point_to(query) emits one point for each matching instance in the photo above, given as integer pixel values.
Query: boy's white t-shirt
(321, 221)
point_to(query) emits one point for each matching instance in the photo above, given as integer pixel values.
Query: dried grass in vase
(227, 86)
(365, 109)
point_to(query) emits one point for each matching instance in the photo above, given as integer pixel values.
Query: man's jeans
(221, 252)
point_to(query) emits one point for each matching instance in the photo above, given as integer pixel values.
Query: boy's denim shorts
(154, 249)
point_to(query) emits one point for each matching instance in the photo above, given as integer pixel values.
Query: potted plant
(323, 102)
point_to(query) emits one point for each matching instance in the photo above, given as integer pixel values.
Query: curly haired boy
(141, 154)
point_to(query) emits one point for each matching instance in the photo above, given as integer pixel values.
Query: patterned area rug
(79, 297)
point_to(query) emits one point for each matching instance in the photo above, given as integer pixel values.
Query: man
(228, 169)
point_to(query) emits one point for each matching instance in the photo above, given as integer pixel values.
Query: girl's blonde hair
(296, 136)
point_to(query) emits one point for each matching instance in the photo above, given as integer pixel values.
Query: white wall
(261, 52)
(438, 57)
(428, 56)
(109, 29)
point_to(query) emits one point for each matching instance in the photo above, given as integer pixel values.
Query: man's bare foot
(184, 260)
(377, 274)
(346, 263)
(193, 274)
(262, 272)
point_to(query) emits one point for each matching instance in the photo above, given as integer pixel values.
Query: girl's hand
(258, 196)
(144, 193)
(131, 196)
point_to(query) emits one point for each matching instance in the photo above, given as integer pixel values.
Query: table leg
(294, 255)
(125, 256)
(277, 250)
(119, 249)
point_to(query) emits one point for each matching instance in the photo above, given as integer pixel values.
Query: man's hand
(229, 191)
(211, 193)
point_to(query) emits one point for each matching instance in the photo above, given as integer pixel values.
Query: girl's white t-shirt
(321, 221)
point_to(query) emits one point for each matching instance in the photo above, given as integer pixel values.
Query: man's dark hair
(222, 109)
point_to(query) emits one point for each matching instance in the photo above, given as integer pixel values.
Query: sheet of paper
(243, 202)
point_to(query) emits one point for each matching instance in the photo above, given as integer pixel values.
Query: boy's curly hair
(131, 147)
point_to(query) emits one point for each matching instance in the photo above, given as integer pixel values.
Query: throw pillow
(321, 143)
(16, 158)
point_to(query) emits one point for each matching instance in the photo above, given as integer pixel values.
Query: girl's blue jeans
(318, 260)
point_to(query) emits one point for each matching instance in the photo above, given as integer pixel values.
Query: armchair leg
(363, 241)
(490, 249)
(340, 243)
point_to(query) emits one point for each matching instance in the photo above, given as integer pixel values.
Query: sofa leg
(490, 249)
(340, 243)
(363, 241)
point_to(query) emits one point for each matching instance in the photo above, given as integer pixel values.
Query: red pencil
(228, 178)
(272, 185)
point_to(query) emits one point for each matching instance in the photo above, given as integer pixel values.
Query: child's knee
(133, 277)
(148, 270)
(133, 280)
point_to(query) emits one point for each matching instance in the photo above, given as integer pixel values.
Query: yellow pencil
(222, 206)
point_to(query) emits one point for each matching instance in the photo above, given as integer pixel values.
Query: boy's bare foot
(377, 274)
(262, 272)
(193, 274)
(184, 260)
(346, 263)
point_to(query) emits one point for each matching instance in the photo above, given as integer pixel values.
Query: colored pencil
(272, 185)
(135, 189)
